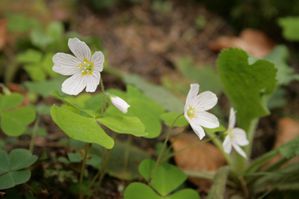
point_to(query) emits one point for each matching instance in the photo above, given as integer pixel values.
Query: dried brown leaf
(255, 42)
(194, 155)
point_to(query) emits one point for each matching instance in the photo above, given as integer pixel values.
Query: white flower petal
(120, 104)
(206, 100)
(92, 81)
(240, 137)
(227, 145)
(206, 119)
(98, 60)
(198, 130)
(194, 89)
(239, 150)
(74, 84)
(79, 48)
(232, 119)
(65, 64)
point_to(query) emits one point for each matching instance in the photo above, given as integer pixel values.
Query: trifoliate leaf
(13, 118)
(80, 128)
(164, 177)
(14, 122)
(139, 190)
(14, 167)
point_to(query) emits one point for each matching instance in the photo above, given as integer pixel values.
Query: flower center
(191, 112)
(86, 67)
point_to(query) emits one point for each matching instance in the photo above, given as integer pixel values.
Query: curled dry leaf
(288, 129)
(255, 42)
(194, 155)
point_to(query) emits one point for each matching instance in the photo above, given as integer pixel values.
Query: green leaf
(14, 167)
(10, 101)
(40, 39)
(21, 159)
(123, 124)
(164, 179)
(219, 184)
(290, 27)
(80, 128)
(21, 23)
(246, 86)
(29, 56)
(173, 119)
(157, 93)
(287, 151)
(55, 30)
(139, 190)
(124, 161)
(279, 56)
(14, 178)
(148, 112)
(44, 88)
(208, 78)
(14, 122)
(74, 157)
(35, 72)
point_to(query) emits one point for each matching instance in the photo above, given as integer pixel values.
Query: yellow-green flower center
(191, 112)
(86, 67)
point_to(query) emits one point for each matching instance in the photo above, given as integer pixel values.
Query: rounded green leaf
(124, 124)
(20, 159)
(14, 167)
(80, 128)
(14, 122)
(165, 178)
(10, 101)
(14, 178)
(138, 190)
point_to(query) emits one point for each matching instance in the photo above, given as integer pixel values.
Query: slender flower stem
(219, 146)
(34, 131)
(82, 170)
(251, 132)
(158, 161)
(101, 172)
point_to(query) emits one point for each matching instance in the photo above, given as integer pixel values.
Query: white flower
(195, 110)
(120, 104)
(83, 68)
(236, 137)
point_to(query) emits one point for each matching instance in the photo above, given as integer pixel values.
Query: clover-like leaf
(15, 122)
(123, 124)
(164, 178)
(184, 194)
(80, 128)
(14, 118)
(14, 167)
(139, 190)
(246, 85)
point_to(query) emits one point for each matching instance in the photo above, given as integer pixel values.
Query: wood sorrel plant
(248, 86)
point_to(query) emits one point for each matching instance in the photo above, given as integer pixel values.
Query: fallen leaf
(194, 155)
(255, 42)
(3, 33)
